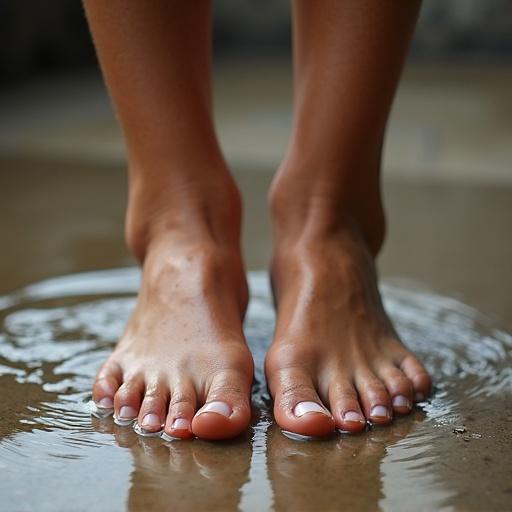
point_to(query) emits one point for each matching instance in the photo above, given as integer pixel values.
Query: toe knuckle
(180, 398)
(231, 390)
(347, 395)
(376, 389)
(293, 389)
(401, 382)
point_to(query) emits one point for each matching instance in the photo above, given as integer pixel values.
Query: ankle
(202, 210)
(308, 206)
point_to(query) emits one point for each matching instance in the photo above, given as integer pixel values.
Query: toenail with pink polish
(127, 413)
(379, 411)
(306, 407)
(151, 420)
(181, 424)
(401, 401)
(217, 407)
(106, 403)
(353, 416)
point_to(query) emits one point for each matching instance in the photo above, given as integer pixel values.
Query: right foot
(182, 364)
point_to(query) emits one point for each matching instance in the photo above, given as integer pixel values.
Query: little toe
(127, 399)
(345, 407)
(181, 411)
(154, 408)
(297, 406)
(419, 377)
(374, 399)
(106, 384)
(227, 411)
(399, 387)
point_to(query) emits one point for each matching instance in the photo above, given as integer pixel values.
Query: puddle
(452, 452)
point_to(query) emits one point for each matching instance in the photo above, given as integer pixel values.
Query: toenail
(106, 402)
(306, 407)
(151, 420)
(217, 407)
(181, 424)
(401, 401)
(379, 411)
(352, 416)
(127, 413)
(419, 397)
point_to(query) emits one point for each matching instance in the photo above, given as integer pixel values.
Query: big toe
(227, 410)
(297, 406)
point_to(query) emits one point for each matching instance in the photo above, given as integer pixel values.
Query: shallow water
(55, 456)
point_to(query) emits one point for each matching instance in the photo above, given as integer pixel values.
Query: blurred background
(448, 154)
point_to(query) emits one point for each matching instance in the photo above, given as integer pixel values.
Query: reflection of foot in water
(320, 475)
(336, 359)
(185, 476)
(182, 360)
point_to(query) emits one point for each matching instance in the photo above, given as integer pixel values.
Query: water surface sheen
(55, 456)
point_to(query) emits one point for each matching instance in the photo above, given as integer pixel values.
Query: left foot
(336, 360)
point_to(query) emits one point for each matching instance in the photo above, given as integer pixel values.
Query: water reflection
(56, 333)
(336, 474)
(183, 475)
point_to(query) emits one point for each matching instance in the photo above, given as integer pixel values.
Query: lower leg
(334, 343)
(183, 346)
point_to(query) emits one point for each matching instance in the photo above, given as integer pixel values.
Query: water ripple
(56, 333)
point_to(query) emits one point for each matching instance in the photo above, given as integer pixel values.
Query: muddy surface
(452, 452)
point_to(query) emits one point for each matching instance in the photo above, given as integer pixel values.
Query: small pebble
(459, 430)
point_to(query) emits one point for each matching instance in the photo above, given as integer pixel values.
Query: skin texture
(182, 363)
(184, 346)
(334, 344)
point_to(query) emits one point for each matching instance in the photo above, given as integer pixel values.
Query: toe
(399, 388)
(345, 407)
(128, 398)
(297, 406)
(106, 384)
(154, 407)
(227, 411)
(181, 411)
(419, 377)
(374, 398)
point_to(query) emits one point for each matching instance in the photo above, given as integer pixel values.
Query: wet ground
(57, 332)
(449, 237)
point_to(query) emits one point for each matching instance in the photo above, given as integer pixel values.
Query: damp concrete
(451, 452)
(68, 285)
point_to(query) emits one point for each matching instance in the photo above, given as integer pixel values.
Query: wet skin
(182, 363)
(336, 360)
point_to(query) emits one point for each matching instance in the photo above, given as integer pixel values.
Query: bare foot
(336, 360)
(182, 363)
